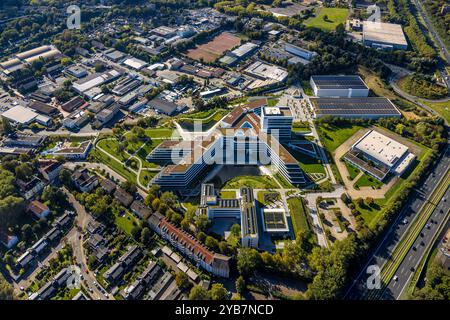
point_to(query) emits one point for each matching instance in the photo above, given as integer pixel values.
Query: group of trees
(437, 285)
(217, 292)
(423, 86)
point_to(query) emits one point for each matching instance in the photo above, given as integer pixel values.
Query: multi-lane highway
(438, 41)
(418, 198)
(396, 287)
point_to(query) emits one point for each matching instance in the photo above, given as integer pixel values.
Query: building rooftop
(20, 114)
(339, 82)
(381, 148)
(384, 32)
(354, 106)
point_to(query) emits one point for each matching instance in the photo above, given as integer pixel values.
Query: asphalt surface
(381, 254)
(438, 40)
(406, 270)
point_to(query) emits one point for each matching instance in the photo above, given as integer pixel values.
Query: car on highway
(395, 278)
(405, 221)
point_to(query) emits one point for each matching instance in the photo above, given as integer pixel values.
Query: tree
(212, 243)
(169, 198)
(156, 204)
(6, 126)
(27, 232)
(248, 260)
(65, 177)
(218, 292)
(240, 284)
(6, 290)
(198, 293)
(236, 230)
(146, 235)
(136, 232)
(24, 171)
(182, 281)
(369, 201)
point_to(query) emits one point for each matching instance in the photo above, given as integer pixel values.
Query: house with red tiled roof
(8, 239)
(215, 263)
(38, 209)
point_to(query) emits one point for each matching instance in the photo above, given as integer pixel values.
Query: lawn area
(328, 19)
(298, 215)
(146, 176)
(284, 183)
(368, 181)
(159, 132)
(352, 170)
(272, 102)
(307, 88)
(228, 194)
(307, 163)
(207, 122)
(271, 196)
(333, 136)
(126, 222)
(101, 157)
(110, 146)
(256, 182)
(443, 108)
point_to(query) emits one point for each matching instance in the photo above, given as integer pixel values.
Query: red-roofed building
(38, 209)
(215, 263)
(9, 240)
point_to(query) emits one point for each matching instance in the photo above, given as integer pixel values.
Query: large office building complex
(244, 139)
(278, 121)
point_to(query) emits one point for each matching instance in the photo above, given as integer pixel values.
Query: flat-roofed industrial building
(339, 86)
(379, 155)
(365, 108)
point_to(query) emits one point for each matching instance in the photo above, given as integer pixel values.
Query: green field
(352, 170)
(335, 16)
(110, 146)
(208, 121)
(422, 87)
(256, 182)
(298, 215)
(228, 194)
(159, 132)
(333, 136)
(261, 196)
(125, 222)
(101, 157)
(284, 183)
(307, 163)
(443, 108)
(368, 181)
(146, 176)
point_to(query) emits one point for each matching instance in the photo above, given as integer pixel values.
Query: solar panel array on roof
(354, 106)
(339, 82)
(228, 203)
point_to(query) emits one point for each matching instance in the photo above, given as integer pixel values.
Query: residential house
(84, 181)
(38, 209)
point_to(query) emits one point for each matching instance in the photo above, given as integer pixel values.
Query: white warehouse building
(339, 86)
